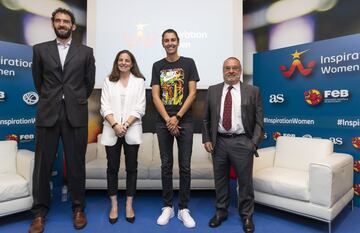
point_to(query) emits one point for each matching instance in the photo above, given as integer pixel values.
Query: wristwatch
(178, 117)
(113, 125)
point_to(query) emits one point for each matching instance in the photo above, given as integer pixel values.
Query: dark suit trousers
(236, 151)
(74, 141)
(113, 165)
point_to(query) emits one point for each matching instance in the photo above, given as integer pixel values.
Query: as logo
(313, 97)
(276, 98)
(336, 140)
(297, 64)
(356, 142)
(2, 96)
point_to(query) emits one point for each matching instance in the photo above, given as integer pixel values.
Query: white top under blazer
(134, 105)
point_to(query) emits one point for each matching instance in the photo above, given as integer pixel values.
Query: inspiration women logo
(298, 65)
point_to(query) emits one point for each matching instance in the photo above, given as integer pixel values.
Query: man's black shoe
(248, 225)
(217, 220)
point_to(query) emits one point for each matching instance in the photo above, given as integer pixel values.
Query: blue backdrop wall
(312, 90)
(18, 100)
(17, 95)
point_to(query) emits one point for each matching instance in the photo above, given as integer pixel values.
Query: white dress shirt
(63, 51)
(237, 126)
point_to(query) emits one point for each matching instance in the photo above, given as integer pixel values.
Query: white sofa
(149, 171)
(16, 168)
(304, 176)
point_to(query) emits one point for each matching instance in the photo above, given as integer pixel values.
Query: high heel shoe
(113, 220)
(130, 219)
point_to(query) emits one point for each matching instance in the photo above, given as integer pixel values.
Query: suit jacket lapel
(218, 100)
(54, 52)
(72, 51)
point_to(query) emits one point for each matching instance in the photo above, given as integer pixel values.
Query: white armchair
(304, 176)
(16, 168)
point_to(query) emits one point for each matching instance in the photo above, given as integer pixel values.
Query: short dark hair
(63, 11)
(115, 73)
(170, 31)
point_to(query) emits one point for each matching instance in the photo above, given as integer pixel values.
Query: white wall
(209, 30)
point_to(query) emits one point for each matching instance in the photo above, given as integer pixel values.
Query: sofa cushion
(145, 155)
(100, 149)
(96, 169)
(283, 182)
(8, 150)
(13, 186)
(199, 154)
(202, 170)
(297, 153)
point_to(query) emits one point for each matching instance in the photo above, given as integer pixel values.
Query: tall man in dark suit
(64, 76)
(232, 131)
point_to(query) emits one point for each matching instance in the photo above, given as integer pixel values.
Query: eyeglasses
(228, 68)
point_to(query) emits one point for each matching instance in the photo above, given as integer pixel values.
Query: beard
(232, 76)
(62, 34)
(232, 79)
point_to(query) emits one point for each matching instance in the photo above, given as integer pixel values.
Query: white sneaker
(185, 217)
(167, 213)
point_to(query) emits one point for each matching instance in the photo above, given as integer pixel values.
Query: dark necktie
(227, 110)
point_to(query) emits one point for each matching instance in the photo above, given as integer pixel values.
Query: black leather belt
(229, 135)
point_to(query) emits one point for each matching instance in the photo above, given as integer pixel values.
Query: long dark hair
(115, 73)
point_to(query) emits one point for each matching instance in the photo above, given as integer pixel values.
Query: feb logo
(357, 189)
(12, 137)
(275, 135)
(357, 165)
(313, 97)
(356, 142)
(297, 65)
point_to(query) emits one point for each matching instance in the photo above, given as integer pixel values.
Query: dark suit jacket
(251, 113)
(75, 82)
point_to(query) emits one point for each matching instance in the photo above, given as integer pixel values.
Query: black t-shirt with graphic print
(173, 79)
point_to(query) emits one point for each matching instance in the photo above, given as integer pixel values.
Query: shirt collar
(236, 86)
(67, 44)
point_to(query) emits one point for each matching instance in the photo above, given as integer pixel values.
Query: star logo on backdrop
(297, 65)
(141, 38)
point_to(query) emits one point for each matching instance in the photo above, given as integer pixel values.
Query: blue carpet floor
(147, 208)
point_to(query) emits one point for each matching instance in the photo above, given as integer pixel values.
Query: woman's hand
(120, 130)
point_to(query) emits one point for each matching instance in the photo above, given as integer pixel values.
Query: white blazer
(135, 102)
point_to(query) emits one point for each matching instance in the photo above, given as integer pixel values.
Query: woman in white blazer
(122, 107)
